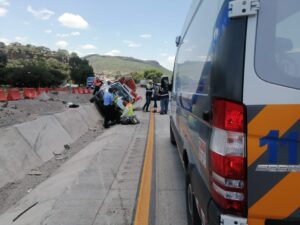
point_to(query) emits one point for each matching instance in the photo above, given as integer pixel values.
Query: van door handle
(206, 115)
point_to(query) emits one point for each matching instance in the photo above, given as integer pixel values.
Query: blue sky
(144, 29)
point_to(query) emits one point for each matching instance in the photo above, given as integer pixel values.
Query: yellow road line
(143, 202)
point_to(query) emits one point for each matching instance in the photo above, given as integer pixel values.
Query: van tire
(172, 137)
(191, 208)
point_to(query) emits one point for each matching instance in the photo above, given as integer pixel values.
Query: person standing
(97, 85)
(108, 100)
(164, 96)
(149, 90)
(155, 96)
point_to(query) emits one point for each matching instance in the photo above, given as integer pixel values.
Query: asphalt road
(169, 200)
(100, 185)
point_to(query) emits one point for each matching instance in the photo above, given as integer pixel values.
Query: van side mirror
(178, 40)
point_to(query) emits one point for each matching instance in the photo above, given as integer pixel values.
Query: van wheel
(191, 208)
(172, 138)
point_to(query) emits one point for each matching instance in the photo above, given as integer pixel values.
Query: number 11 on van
(276, 143)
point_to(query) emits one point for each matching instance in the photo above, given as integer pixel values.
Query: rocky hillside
(122, 65)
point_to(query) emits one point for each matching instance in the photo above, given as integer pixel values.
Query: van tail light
(228, 155)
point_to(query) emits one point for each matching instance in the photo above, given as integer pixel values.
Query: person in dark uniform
(164, 96)
(149, 91)
(108, 101)
(155, 96)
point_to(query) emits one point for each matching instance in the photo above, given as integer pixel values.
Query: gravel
(15, 112)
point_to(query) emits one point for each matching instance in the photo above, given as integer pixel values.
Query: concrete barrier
(16, 156)
(90, 115)
(26, 146)
(45, 135)
(73, 123)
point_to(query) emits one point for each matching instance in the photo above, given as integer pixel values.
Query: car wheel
(172, 137)
(191, 209)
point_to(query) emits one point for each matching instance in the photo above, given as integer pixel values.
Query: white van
(235, 111)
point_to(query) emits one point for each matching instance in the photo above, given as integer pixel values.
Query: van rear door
(272, 98)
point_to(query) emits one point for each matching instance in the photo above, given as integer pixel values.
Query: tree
(3, 59)
(31, 66)
(62, 55)
(3, 55)
(34, 75)
(80, 69)
(137, 76)
(153, 75)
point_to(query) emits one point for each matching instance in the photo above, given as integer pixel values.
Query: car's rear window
(277, 57)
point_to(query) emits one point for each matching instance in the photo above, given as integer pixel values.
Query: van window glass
(193, 58)
(277, 57)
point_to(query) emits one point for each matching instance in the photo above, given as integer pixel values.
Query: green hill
(123, 65)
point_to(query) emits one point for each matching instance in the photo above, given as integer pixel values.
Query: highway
(106, 183)
(169, 179)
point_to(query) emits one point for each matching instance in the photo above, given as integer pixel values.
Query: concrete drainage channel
(36, 148)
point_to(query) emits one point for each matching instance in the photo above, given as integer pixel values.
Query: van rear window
(277, 55)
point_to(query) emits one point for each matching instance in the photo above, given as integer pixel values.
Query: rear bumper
(216, 217)
(232, 220)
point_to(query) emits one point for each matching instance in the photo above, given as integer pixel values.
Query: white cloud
(146, 36)
(131, 44)
(4, 3)
(3, 7)
(88, 46)
(168, 62)
(171, 59)
(5, 41)
(21, 39)
(62, 35)
(76, 33)
(3, 12)
(73, 21)
(43, 14)
(68, 35)
(113, 52)
(49, 31)
(134, 45)
(62, 44)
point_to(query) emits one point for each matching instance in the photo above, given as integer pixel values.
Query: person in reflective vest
(117, 108)
(128, 116)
